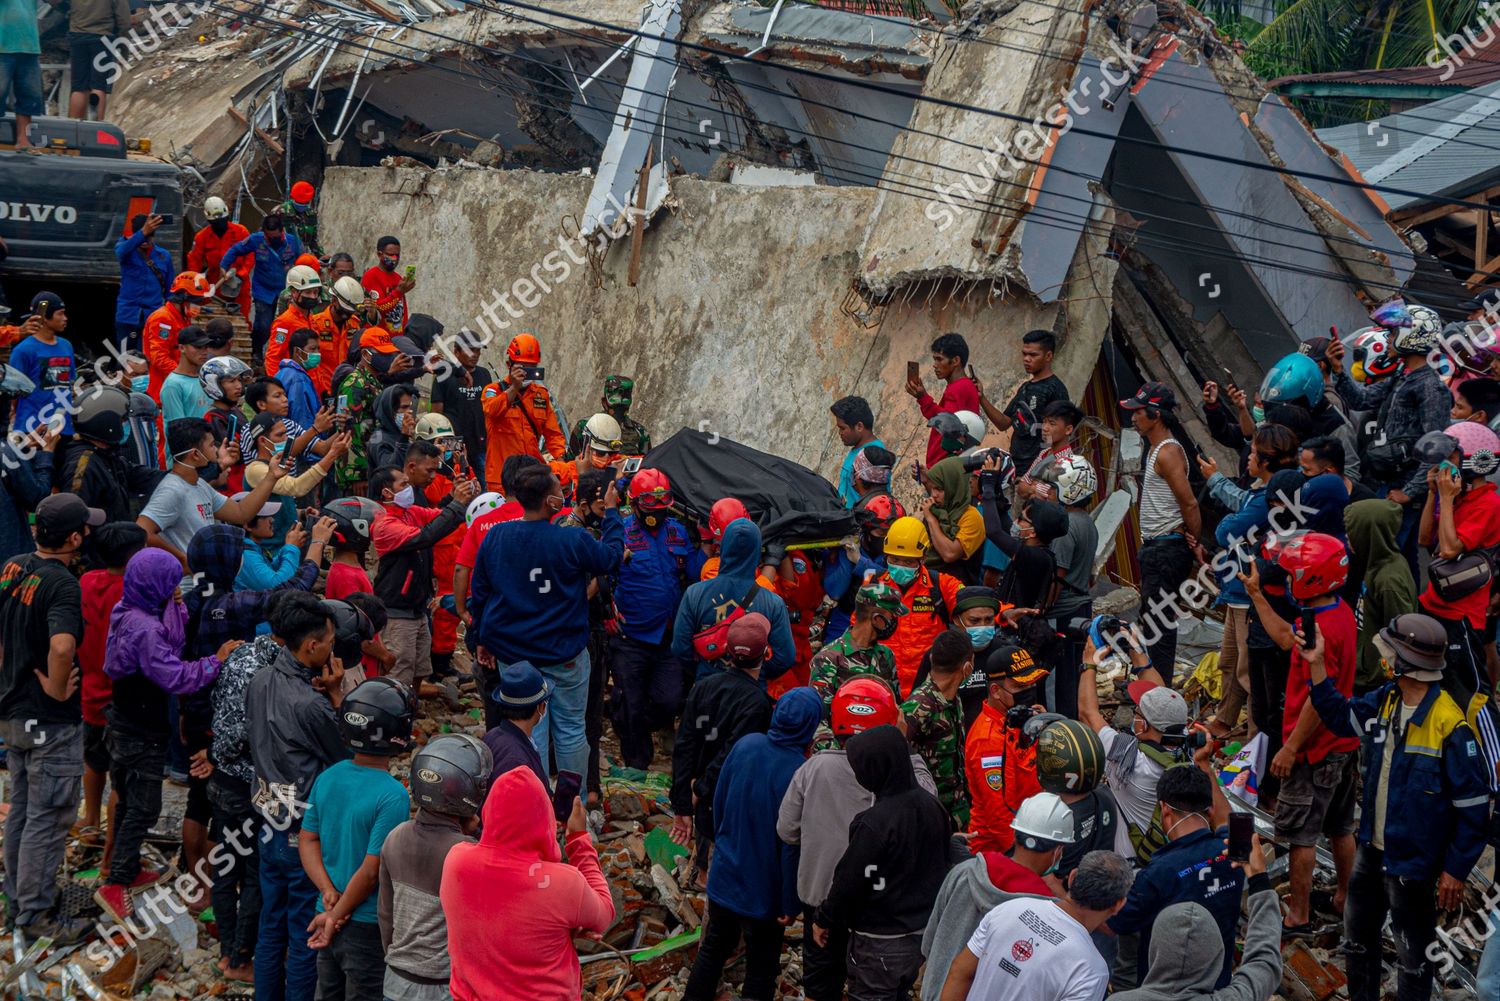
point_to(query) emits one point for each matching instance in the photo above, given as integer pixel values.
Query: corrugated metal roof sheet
(1448, 147)
(1476, 63)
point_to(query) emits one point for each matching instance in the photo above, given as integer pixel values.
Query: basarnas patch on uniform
(994, 779)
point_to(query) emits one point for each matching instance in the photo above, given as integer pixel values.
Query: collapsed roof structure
(824, 189)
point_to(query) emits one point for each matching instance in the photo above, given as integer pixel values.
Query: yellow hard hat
(907, 537)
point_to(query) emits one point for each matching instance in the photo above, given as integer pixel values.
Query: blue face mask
(140, 383)
(278, 447)
(980, 636)
(902, 575)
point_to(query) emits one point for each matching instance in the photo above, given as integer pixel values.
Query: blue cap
(521, 685)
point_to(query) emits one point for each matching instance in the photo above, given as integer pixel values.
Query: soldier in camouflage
(858, 653)
(935, 721)
(618, 395)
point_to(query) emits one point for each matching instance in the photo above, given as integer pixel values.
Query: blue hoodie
(707, 601)
(754, 873)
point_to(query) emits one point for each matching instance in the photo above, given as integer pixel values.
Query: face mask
(1025, 697)
(275, 239)
(219, 226)
(599, 460)
(1053, 867)
(140, 384)
(980, 636)
(386, 264)
(314, 358)
(902, 575)
(308, 303)
(870, 543)
(951, 445)
(1258, 414)
(651, 520)
(405, 497)
(278, 447)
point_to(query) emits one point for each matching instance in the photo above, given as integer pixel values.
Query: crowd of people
(251, 577)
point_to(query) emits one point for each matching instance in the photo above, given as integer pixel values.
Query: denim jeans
(261, 319)
(1412, 906)
(285, 968)
(352, 968)
(883, 969)
(46, 778)
(236, 892)
(135, 771)
(566, 710)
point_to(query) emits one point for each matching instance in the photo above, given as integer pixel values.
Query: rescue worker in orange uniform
(306, 286)
(799, 581)
(929, 598)
(209, 244)
(439, 430)
(337, 327)
(189, 291)
(1000, 759)
(518, 411)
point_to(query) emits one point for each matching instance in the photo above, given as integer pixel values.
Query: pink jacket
(512, 906)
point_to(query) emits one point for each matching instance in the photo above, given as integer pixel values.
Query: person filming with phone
(519, 415)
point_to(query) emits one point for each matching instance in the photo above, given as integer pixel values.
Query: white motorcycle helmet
(1076, 481)
(483, 504)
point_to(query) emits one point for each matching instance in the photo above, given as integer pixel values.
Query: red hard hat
(650, 488)
(302, 192)
(881, 510)
(724, 511)
(861, 704)
(1315, 563)
(524, 350)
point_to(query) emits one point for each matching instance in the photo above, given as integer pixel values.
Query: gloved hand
(851, 547)
(775, 553)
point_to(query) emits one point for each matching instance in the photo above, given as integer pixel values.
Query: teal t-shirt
(18, 30)
(846, 473)
(351, 809)
(182, 396)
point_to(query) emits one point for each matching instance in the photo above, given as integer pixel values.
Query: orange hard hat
(377, 339)
(193, 283)
(311, 261)
(524, 349)
(302, 192)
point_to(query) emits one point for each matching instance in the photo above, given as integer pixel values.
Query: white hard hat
(301, 278)
(1043, 822)
(432, 427)
(349, 292)
(1076, 480)
(482, 504)
(214, 207)
(973, 423)
(603, 430)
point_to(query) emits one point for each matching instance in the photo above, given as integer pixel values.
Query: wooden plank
(265, 136)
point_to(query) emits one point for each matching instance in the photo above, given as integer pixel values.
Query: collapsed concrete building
(825, 191)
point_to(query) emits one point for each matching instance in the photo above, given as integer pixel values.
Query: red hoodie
(512, 906)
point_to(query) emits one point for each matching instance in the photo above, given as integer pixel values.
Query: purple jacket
(147, 630)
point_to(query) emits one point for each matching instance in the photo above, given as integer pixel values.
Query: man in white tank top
(1170, 524)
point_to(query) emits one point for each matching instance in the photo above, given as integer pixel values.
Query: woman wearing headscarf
(953, 522)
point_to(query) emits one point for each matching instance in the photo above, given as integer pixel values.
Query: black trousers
(824, 969)
(1165, 565)
(1412, 906)
(236, 876)
(647, 695)
(136, 767)
(1269, 668)
(722, 934)
(593, 716)
(352, 968)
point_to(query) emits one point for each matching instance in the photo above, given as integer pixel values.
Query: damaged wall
(737, 319)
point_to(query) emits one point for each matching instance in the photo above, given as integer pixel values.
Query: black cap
(195, 337)
(46, 303)
(1488, 300)
(1152, 394)
(63, 514)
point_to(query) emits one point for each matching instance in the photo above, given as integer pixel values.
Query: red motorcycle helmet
(879, 511)
(1315, 563)
(725, 510)
(862, 704)
(650, 490)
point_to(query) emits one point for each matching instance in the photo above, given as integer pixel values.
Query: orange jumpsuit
(333, 345)
(1001, 776)
(802, 595)
(208, 249)
(159, 338)
(291, 319)
(922, 622)
(513, 430)
(444, 557)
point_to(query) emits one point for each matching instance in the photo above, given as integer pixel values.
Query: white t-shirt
(180, 508)
(1135, 789)
(1032, 950)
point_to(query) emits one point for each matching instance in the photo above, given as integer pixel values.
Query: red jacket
(102, 591)
(513, 906)
(390, 300)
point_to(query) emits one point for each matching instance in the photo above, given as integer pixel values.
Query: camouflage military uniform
(935, 726)
(304, 224)
(841, 660)
(361, 388)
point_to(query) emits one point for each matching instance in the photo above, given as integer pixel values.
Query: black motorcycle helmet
(101, 415)
(451, 775)
(351, 629)
(352, 517)
(377, 717)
